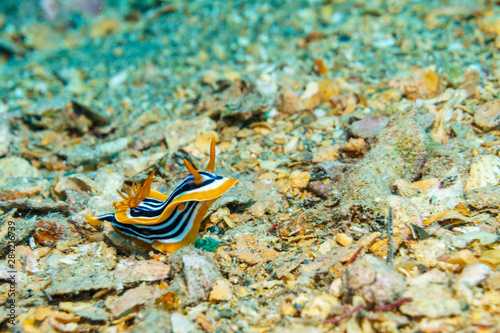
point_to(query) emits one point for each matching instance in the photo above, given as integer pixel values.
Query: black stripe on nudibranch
(172, 227)
(154, 210)
(107, 217)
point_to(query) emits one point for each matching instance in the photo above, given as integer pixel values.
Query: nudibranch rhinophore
(167, 223)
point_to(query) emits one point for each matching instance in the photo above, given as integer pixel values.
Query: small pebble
(344, 240)
(474, 274)
(221, 292)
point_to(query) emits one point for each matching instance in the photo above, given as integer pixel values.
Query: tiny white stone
(118, 79)
(319, 113)
(181, 323)
(474, 274)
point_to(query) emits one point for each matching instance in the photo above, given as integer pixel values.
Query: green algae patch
(208, 244)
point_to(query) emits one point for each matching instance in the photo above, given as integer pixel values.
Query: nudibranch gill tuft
(167, 223)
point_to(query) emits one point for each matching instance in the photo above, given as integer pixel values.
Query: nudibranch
(167, 223)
